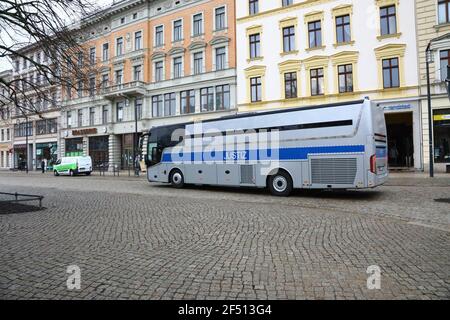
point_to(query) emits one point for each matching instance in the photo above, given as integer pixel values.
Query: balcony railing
(133, 88)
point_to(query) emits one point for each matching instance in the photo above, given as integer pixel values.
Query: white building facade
(299, 53)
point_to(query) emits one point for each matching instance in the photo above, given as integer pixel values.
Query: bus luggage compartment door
(336, 171)
(228, 174)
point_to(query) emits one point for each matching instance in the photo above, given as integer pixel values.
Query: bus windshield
(161, 138)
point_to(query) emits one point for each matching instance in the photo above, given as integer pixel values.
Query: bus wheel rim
(176, 178)
(280, 183)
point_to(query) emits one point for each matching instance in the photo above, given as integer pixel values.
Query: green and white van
(72, 166)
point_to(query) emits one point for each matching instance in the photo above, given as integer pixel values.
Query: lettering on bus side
(236, 155)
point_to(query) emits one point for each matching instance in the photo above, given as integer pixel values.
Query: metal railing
(29, 197)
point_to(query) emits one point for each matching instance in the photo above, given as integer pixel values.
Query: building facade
(433, 32)
(160, 62)
(299, 53)
(156, 62)
(5, 124)
(34, 125)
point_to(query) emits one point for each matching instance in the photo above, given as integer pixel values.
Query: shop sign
(84, 132)
(397, 107)
(441, 117)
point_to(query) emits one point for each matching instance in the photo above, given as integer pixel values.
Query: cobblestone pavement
(133, 239)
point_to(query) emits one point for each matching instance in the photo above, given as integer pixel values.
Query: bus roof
(254, 114)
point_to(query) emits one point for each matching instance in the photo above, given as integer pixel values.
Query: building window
(197, 24)
(138, 106)
(391, 76)
(104, 114)
(47, 126)
(91, 116)
(119, 46)
(80, 117)
(138, 40)
(92, 56)
(221, 61)
(343, 29)
(157, 106)
(187, 101)
(159, 36)
(255, 89)
(444, 56)
(220, 18)
(286, 3)
(207, 99)
(159, 68)
(177, 30)
(105, 80)
(177, 67)
(345, 75)
(119, 77)
(137, 73)
(223, 97)
(80, 59)
(92, 86)
(317, 82)
(255, 45)
(388, 20)
(290, 85)
(119, 115)
(198, 62)
(169, 104)
(444, 11)
(105, 51)
(69, 119)
(253, 7)
(315, 34)
(80, 89)
(23, 129)
(289, 39)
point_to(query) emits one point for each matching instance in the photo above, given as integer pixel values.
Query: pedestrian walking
(43, 165)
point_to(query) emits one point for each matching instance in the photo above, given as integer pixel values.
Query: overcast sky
(5, 64)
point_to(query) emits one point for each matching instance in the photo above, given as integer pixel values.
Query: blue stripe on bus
(266, 154)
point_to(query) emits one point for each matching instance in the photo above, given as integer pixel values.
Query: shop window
(441, 135)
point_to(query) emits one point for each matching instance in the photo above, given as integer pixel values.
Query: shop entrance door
(400, 139)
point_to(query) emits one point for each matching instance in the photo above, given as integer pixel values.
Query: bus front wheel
(280, 184)
(177, 179)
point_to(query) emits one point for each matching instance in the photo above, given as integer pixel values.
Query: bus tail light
(373, 164)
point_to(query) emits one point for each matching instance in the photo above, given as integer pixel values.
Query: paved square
(141, 241)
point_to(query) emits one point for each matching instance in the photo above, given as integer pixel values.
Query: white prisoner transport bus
(335, 146)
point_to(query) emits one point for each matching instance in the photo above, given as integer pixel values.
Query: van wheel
(88, 173)
(71, 173)
(177, 179)
(55, 173)
(280, 184)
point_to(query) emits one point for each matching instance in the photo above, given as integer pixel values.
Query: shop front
(20, 157)
(74, 147)
(99, 150)
(404, 135)
(127, 151)
(441, 129)
(46, 152)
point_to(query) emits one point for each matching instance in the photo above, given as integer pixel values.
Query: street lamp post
(135, 139)
(26, 143)
(429, 59)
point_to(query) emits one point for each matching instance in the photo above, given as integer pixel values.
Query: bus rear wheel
(177, 179)
(280, 184)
